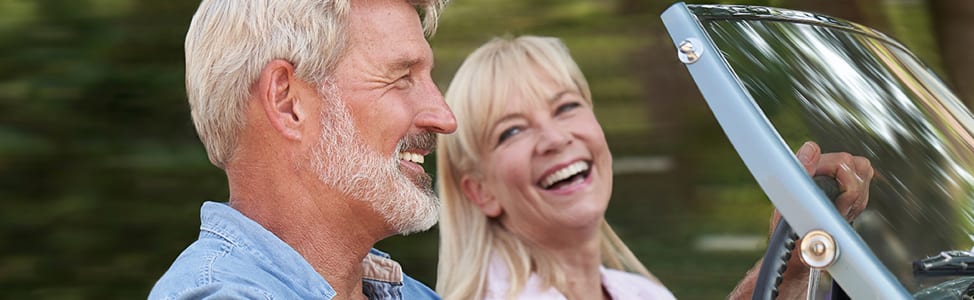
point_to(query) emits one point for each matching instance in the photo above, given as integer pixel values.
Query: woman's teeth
(564, 173)
(413, 157)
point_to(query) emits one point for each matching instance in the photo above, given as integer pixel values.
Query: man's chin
(422, 216)
(418, 227)
(423, 183)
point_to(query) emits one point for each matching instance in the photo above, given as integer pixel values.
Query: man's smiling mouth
(411, 157)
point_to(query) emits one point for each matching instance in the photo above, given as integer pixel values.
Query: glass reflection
(852, 91)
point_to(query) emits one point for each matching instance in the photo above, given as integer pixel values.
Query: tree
(952, 23)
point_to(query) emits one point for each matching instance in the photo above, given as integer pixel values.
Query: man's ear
(278, 93)
(483, 198)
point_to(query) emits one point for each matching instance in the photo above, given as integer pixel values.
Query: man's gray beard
(341, 160)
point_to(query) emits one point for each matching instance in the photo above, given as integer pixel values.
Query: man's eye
(403, 82)
(567, 107)
(508, 133)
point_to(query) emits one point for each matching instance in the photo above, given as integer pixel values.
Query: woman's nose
(553, 139)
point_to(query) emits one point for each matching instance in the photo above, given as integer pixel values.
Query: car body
(775, 78)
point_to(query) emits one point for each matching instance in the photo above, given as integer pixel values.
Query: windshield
(858, 92)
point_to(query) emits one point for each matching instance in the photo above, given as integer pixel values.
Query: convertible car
(775, 78)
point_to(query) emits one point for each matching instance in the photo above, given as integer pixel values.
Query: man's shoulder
(236, 256)
(214, 267)
(206, 268)
(219, 290)
(413, 289)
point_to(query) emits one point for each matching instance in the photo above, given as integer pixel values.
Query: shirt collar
(239, 230)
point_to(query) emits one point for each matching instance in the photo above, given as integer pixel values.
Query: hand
(853, 173)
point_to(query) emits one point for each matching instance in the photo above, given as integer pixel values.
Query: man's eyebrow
(402, 64)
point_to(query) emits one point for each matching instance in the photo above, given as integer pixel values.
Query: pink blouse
(620, 285)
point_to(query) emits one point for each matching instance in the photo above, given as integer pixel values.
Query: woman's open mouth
(570, 174)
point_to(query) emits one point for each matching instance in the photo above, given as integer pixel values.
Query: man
(320, 112)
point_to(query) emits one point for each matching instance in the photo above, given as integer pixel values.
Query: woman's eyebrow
(504, 119)
(558, 95)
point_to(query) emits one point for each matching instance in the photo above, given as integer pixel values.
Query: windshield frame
(764, 151)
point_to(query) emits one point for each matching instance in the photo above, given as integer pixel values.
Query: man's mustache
(422, 141)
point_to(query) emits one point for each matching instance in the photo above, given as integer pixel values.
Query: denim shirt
(237, 258)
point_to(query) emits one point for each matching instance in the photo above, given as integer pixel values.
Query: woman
(526, 180)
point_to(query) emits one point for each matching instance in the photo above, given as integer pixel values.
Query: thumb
(808, 155)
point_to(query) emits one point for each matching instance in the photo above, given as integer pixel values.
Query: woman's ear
(483, 198)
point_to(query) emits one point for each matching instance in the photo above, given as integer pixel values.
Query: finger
(853, 174)
(865, 171)
(848, 204)
(841, 166)
(864, 168)
(808, 155)
(836, 164)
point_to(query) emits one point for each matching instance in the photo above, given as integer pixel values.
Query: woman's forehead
(538, 95)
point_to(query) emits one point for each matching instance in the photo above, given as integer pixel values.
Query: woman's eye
(508, 133)
(567, 107)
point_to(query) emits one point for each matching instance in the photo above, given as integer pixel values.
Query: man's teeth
(413, 157)
(564, 173)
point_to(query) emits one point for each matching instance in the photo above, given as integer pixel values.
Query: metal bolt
(688, 52)
(686, 47)
(818, 249)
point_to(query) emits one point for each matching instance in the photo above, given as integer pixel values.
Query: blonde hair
(477, 94)
(230, 41)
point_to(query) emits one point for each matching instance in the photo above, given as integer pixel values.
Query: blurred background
(102, 175)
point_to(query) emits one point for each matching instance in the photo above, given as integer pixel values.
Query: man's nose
(435, 115)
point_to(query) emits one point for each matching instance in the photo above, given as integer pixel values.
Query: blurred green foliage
(100, 170)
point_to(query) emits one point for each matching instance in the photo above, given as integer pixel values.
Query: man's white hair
(230, 41)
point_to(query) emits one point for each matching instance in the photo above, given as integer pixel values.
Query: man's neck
(321, 225)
